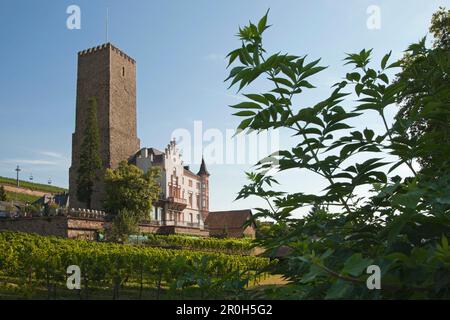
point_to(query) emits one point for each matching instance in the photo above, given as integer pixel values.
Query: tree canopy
(129, 188)
(90, 165)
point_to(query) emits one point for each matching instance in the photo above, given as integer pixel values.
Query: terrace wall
(82, 227)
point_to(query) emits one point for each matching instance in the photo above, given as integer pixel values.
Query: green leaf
(369, 134)
(305, 84)
(246, 105)
(244, 113)
(281, 91)
(339, 290)
(288, 71)
(408, 200)
(337, 126)
(244, 124)
(314, 272)
(395, 65)
(358, 88)
(310, 65)
(262, 24)
(232, 55)
(444, 242)
(355, 265)
(234, 72)
(444, 200)
(245, 56)
(384, 78)
(354, 76)
(283, 81)
(385, 60)
(257, 98)
(311, 72)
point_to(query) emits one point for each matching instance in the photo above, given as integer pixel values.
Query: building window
(191, 218)
(123, 71)
(190, 183)
(198, 185)
(198, 201)
(190, 200)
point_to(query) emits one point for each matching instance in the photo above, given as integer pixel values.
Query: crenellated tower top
(106, 46)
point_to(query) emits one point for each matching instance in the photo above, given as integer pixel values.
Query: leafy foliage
(3, 196)
(231, 246)
(403, 224)
(426, 73)
(123, 225)
(129, 188)
(90, 161)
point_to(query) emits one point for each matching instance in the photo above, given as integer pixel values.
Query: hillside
(32, 186)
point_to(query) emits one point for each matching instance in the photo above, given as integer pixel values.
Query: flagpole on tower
(107, 25)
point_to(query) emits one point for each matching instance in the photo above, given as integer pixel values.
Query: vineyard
(22, 197)
(31, 264)
(32, 185)
(230, 246)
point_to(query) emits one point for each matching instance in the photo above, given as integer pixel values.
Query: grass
(32, 185)
(21, 197)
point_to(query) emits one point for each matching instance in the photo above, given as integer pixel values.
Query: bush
(3, 196)
(403, 224)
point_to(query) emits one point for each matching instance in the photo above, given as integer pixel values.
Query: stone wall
(44, 226)
(82, 228)
(66, 227)
(123, 141)
(183, 230)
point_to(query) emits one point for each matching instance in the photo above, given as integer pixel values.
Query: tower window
(123, 71)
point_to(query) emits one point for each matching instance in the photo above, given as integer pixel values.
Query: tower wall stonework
(109, 75)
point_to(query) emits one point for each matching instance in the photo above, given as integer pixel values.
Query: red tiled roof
(228, 219)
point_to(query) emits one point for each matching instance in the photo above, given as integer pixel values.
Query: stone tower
(204, 189)
(109, 75)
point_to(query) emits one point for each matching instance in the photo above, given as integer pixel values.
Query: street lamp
(17, 171)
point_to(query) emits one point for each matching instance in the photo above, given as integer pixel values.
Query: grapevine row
(233, 246)
(37, 259)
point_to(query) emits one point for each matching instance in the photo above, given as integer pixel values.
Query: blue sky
(179, 47)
